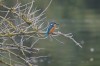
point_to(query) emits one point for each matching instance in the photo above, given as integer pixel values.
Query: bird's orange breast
(53, 29)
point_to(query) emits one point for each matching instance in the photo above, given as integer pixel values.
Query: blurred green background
(80, 17)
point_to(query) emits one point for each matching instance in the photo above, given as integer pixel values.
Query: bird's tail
(47, 34)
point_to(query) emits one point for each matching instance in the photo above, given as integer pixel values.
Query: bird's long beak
(57, 24)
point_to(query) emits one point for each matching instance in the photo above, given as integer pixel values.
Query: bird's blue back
(51, 25)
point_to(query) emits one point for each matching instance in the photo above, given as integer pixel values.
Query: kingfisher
(51, 28)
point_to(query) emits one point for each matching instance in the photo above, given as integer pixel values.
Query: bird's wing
(48, 30)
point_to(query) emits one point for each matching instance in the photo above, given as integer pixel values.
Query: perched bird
(51, 28)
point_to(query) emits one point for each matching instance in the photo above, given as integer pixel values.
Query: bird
(51, 28)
